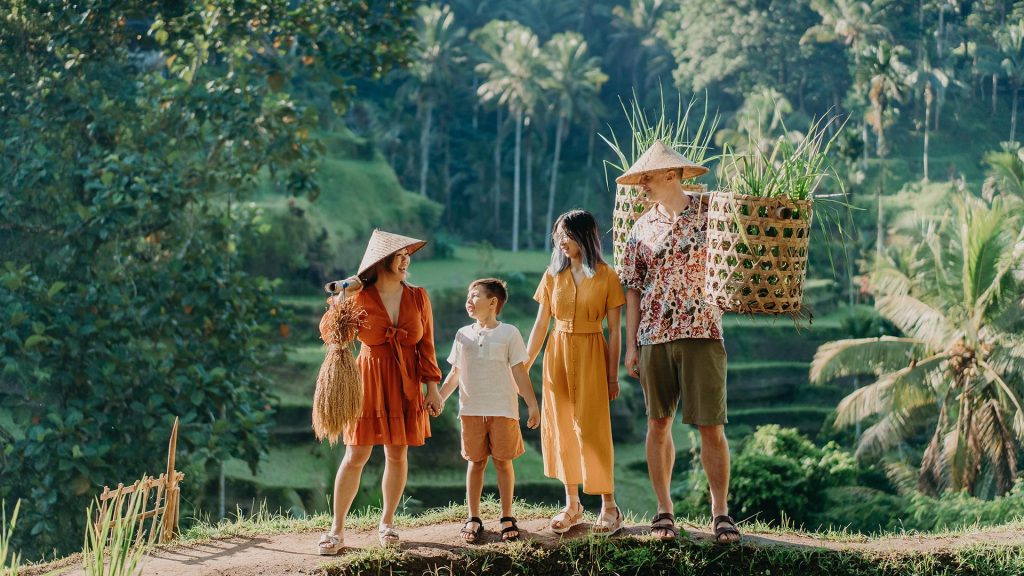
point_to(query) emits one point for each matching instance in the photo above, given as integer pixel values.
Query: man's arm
(632, 325)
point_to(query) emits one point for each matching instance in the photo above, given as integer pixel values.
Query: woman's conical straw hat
(659, 157)
(383, 244)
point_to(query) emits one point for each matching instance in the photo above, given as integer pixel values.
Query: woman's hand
(350, 284)
(613, 389)
(433, 401)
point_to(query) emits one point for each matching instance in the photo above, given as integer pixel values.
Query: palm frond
(887, 280)
(878, 396)
(1009, 396)
(891, 430)
(917, 319)
(997, 443)
(864, 356)
(1007, 357)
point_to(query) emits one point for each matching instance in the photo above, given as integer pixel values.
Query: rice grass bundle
(338, 399)
(690, 134)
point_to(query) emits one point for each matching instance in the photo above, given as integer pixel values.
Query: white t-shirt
(485, 358)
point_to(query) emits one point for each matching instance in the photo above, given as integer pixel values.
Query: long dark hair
(369, 278)
(581, 226)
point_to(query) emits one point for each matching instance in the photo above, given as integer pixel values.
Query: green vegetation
(586, 557)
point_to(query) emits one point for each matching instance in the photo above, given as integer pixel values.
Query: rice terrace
(499, 287)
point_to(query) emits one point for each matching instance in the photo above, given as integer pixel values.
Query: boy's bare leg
(506, 490)
(475, 485)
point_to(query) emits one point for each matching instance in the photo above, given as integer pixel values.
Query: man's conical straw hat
(383, 244)
(659, 157)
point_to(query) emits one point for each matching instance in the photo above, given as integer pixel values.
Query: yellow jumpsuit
(576, 430)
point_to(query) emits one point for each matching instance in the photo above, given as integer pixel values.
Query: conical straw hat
(383, 244)
(659, 157)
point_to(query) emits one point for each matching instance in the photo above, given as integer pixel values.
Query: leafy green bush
(777, 474)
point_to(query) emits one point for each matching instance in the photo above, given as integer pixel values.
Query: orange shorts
(495, 436)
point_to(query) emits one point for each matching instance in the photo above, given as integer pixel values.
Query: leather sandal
(329, 545)
(507, 532)
(659, 523)
(607, 524)
(724, 525)
(471, 535)
(387, 535)
(567, 520)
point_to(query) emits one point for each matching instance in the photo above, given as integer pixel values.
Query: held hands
(613, 389)
(533, 419)
(434, 403)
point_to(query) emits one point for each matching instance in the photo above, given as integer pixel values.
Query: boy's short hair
(494, 288)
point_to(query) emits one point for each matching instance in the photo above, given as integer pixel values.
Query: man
(673, 336)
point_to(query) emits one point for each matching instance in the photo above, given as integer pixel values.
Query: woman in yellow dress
(580, 369)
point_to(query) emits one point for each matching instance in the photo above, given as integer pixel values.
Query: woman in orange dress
(580, 369)
(396, 358)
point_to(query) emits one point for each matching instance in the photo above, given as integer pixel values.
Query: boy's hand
(533, 420)
(433, 403)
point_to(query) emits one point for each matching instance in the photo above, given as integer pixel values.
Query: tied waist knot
(393, 337)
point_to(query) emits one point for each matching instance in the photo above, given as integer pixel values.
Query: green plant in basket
(759, 225)
(690, 133)
(794, 167)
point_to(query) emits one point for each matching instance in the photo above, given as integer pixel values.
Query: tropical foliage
(956, 372)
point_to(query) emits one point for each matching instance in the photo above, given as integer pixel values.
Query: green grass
(296, 467)
(632, 555)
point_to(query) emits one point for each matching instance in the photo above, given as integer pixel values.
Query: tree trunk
(515, 180)
(529, 187)
(428, 119)
(864, 137)
(880, 222)
(1013, 113)
(927, 118)
(995, 86)
(880, 145)
(497, 177)
(447, 174)
(550, 220)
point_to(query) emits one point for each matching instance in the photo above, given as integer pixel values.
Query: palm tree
(852, 23)
(1005, 171)
(1011, 47)
(511, 70)
(958, 369)
(436, 57)
(931, 81)
(572, 84)
(884, 73)
(635, 42)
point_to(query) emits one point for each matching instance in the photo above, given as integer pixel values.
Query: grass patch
(591, 556)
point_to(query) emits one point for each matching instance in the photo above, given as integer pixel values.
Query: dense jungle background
(178, 179)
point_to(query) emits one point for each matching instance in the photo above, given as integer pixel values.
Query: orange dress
(575, 423)
(394, 361)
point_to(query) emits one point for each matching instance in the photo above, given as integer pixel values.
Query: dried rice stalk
(338, 399)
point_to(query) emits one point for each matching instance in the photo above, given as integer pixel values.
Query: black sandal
(470, 535)
(723, 525)
(664, 527)
(506, 531)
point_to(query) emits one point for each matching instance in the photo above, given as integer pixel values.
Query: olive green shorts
(691, 370)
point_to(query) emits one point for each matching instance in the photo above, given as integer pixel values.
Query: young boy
(488, 367)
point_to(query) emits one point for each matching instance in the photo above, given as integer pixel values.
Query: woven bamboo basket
(757, 253)
(630, 204)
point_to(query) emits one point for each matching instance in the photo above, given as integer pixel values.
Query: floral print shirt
(665, 262)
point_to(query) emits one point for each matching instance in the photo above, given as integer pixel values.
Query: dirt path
(294, 553)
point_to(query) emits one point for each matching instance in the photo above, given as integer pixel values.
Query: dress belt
(411, 388)
(578, 326)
